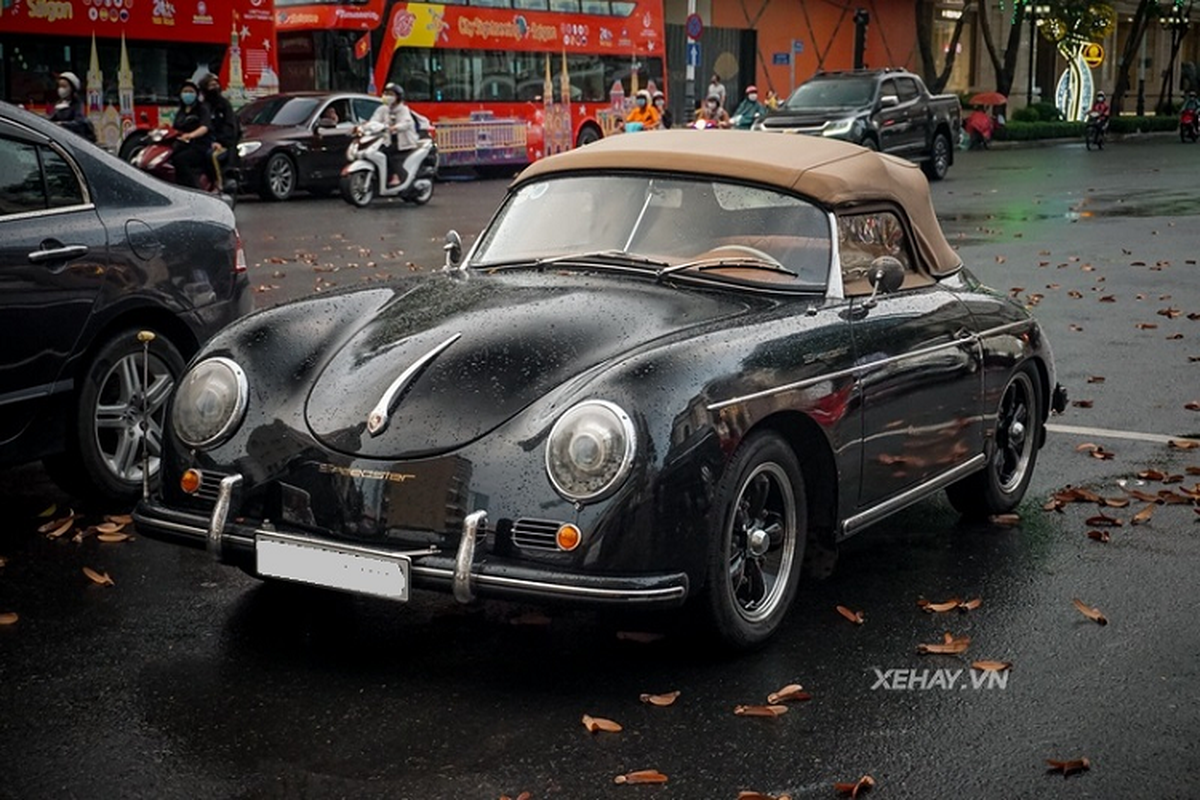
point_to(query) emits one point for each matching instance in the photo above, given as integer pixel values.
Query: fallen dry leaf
(1142, 516)
(8, 618)
(660, 699)
(641, 776)
(854, 616)
(1099, 536)
(1067, 768)
(863, 784)
(1103, 521)
(971, 605)
(521, 796)
(938, 608)
(1094, 614)
(1096, 379)
(48, 511)
(1083, 403)
(641, 637)
(991, 666)
(1147, 326)
(793, 691)
(1116, 502)
(1005, 520)
(594, 724)
(61, 529)
(1192, 406)
(773, 710)
(1151, 475)
(112, 538)
(1145, 497)
(749, 795)
(108, 527)
(100, 578)
(56, 523)
(1192, 470)
(950, 645)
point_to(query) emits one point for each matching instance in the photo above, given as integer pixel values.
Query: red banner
(366, 17)
(199, 21)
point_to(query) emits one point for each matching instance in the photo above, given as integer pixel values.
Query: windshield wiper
(606, 255)
(702, 264)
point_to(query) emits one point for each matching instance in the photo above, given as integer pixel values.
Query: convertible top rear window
(666, 219)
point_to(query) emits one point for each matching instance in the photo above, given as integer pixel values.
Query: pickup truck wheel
(939, 158)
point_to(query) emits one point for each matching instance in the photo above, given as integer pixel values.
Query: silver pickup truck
(883, 109)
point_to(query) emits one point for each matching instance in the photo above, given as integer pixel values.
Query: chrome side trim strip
(861, 520)
(216, 524)
(378, 419)
(836, 290)
(973, 338)
(642, 595)
(466, 556)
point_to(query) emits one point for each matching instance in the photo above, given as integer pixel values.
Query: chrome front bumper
(463, 573)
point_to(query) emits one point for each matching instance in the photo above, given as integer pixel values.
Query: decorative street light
(1035, 13)
(1175, 19)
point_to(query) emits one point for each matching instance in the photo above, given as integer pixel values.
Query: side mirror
(889, 100)
(887, 274)
(453, 249)
(325, 122)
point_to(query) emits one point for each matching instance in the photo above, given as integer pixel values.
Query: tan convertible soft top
(833, 173)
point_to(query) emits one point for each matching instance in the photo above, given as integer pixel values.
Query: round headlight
(590, 450)
(210, 402)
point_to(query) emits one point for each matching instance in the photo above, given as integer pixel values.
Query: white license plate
(332, 566)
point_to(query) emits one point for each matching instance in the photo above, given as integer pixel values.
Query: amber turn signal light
(189, 481)
(568, 537)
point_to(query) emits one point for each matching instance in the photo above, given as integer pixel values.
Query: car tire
(759, 529)
(279, 177)
(102, 459)
(939, 158)
(999, 487)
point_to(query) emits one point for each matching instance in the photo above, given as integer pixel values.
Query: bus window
(410, 69)
(570, 6)
(531, 5)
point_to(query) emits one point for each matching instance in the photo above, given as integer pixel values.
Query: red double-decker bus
(132, 55)
(504, 81)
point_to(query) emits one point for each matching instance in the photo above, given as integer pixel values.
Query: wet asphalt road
(187, 679)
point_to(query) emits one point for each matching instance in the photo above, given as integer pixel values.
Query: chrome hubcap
(281, 176)
(762, 542)
(1013, 444)
(117, 422)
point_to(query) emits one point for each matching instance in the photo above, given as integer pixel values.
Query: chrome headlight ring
(590, 450)
(210, 402)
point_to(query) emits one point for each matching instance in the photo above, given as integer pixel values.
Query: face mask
(64, 92)
(389, 99)
(753, 97)
(187, 97)
(641, 102)
(712, 106)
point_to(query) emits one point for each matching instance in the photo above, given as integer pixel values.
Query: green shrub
(1142, 124)
(1026, 114)
(1028, 131)
(1047, 111)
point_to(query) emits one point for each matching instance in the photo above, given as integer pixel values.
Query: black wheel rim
(941, 155)
(761, 538)
(117, 417)
(1014, 433)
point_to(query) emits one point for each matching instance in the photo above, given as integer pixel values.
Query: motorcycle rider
(224, 121)
(398, 119)
(1101, 110)
(1191, 103)
(68, 111)
(643, 112)
(711, 115)
(664, 113)
(748, 110)
(193, 146)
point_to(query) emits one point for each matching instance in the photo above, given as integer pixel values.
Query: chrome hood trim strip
(377, 420)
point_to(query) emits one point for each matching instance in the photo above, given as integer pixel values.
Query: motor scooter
(366, 176)
(1093, 133)
(154, 157)
(1189, 125)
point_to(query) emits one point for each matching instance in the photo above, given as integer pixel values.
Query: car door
(891, 118)
(919, 364)
(916, 116)
(332, 128)
(53, 254)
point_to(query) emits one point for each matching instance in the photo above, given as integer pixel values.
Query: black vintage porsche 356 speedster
(671, 363)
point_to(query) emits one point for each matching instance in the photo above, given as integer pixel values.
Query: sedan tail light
(239, 265)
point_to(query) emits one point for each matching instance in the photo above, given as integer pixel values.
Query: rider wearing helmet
(643, 113)
(711, 115)
(1191, 102)
(664, 113)
(749, 110)
(1100, 109)
(399, 121)
(69, 111)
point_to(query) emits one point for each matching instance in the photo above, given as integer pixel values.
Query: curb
(1116, 137)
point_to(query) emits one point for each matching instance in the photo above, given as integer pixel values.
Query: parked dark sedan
(673, 365)
(298, 141)
(92, 253)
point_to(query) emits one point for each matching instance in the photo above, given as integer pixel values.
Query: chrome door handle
(58, 253)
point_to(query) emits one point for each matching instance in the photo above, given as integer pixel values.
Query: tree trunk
(1004, 64)
(1132, 51)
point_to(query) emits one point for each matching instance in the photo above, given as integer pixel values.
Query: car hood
(461, 357)
(808, 118)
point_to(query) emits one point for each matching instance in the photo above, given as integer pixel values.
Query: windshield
(833, 93)
(681, 226)
(278, 110)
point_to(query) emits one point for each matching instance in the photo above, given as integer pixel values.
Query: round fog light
(190, 480)
(568, 537)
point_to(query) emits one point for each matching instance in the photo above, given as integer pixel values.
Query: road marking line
(1111, 434)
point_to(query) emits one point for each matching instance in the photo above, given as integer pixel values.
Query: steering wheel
(753, 252)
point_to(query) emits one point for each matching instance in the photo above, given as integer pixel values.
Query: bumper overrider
(469, 572)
